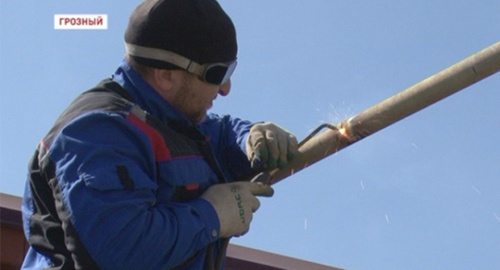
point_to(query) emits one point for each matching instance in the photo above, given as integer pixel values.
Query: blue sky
(423, 193)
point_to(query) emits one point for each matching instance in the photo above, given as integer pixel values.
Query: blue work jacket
(116, 182)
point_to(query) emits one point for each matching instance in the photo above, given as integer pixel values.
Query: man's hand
(235, 204)
(270, 146)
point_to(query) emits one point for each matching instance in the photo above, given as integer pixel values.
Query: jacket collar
(147, 97)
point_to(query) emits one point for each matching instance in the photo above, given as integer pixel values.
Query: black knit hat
(195, 29)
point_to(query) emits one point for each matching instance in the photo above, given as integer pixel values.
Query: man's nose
(225, 88)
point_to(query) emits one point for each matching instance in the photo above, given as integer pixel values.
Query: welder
(135, 174)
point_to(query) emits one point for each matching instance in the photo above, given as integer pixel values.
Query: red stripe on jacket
(161, 151)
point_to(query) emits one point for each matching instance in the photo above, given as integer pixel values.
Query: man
(134, 174)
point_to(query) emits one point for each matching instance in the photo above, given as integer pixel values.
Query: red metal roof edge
(10, 201)
(10, 210)
(238, 257)
(273, 260)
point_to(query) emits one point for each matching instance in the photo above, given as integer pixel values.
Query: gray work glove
(270, 146)
(235, 204)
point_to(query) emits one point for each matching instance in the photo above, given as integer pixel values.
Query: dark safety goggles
(215, 73)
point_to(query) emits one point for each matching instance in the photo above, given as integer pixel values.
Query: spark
(387, 218)
(475, 189)
(362, 185)
(343, 132)
(496, 216)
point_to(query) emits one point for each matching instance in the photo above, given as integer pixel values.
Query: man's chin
(198, 119)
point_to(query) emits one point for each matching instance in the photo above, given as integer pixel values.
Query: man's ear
(162, 79)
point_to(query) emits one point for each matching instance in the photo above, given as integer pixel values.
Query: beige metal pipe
(436, 87)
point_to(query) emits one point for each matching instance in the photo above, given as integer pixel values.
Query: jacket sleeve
(105, 168)
(228, 138)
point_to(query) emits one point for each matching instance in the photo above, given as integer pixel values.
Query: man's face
(195, 97)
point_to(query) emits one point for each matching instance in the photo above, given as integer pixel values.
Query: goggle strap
(164, 56)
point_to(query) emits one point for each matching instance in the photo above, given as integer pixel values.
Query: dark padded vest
(51, 231)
